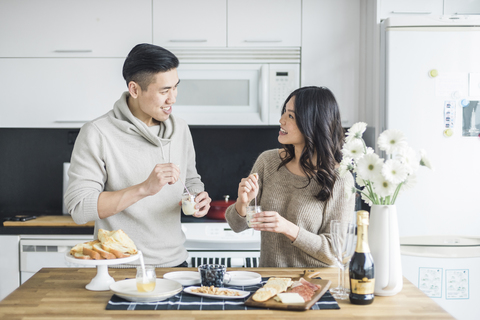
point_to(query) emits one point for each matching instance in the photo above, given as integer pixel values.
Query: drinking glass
(188, 204)
(146, 279)
(343, 243)
(251, 210)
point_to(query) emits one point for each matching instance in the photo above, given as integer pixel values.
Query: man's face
(157, 101)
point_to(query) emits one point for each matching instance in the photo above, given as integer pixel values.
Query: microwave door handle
(263, 93)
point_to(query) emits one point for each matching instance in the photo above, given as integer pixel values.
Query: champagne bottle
(362, 280)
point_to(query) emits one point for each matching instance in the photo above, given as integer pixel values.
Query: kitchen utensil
(164, 289)
(343, 242)
(186, 278)
(244, 278)
(213, 275)
(218, 208)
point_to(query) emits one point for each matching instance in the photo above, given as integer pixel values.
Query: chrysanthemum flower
(369, 166)
(391, 141)
(409, 183)
(353, 149)
(349, 188)
(394, 171)
(356, 131)
(366, 199)
(346, 165)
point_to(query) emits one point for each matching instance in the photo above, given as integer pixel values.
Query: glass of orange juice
(146, 282)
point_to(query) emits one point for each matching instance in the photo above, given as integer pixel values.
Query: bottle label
(364, 286)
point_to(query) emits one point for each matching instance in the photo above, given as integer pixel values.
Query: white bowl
(186, 278)
(164, 289)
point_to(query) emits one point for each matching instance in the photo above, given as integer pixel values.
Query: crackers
(273, 287)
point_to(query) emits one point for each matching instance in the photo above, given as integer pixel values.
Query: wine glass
(343, 243)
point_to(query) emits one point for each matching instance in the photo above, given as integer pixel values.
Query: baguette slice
(88, 250)
(97, 246)
(118, 253)
(80, 255)
(117, 242)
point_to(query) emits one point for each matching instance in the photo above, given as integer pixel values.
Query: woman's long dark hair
(318, 119)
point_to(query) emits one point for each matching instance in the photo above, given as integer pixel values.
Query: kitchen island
(59, 293)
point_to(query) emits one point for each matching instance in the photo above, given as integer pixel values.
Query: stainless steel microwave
(245, 91)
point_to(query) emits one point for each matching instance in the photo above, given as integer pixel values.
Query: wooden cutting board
(48, 221)
(273, 304)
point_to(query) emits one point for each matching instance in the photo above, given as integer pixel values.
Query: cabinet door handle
(264, 40)
(73, 51)
(411, 12)
(188, 40)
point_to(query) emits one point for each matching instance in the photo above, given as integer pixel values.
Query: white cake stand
(102, 281)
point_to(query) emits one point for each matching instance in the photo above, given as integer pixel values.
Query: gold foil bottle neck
(362, 218)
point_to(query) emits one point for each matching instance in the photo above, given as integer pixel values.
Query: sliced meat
(304, 291)
(314, 287)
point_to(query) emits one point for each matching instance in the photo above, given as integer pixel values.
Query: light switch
(474, 84)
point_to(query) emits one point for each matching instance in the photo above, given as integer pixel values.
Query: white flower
(369, 150)
(383, 187)
(346, 165)
(349, 188)
(409, 158)
(391, 141)
(409, 183)
(424, 161)
(394, 171)
(369, 166)
(355, 131)
(353, 149)
(360, 181)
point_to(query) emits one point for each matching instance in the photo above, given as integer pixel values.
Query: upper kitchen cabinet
(391, 8)
(67, 28)
(190, 23)
(462, 7)
(266, 23)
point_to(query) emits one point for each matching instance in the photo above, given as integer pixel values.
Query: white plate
(244, 278)
(103, 262)
(243, 294)
(164, 289)
(186, 278)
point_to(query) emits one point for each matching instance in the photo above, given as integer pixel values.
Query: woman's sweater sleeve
(338, 207)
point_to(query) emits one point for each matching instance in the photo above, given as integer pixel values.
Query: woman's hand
(271, 221)
(202, 204)
(247, 191)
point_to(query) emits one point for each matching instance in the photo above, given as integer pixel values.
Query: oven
(216, 242)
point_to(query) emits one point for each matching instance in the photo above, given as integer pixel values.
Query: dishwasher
(47, 251)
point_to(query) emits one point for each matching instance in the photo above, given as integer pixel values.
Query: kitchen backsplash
(31, 162)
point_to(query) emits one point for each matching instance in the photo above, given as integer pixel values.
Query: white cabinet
(331, 51)
(9, 266)
(42, 92)
(253, 23)
(391, 8)
(227, 23)
(462, 7)
(59, 28)
(190, 23)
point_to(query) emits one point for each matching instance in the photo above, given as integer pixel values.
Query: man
(125, 164)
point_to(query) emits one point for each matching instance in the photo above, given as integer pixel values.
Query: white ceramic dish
(164, 289)
(243, 294)
(104, 262)
(244, 278)
(186, 278)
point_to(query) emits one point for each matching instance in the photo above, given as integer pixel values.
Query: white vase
(384, 245)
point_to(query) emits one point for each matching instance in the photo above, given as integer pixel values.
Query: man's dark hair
(146, 60)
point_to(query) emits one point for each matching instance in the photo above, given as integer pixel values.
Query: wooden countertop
(59, 293)
(48, 221)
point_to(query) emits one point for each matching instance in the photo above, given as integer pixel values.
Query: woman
(298, 187)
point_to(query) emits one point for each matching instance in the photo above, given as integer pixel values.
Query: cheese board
(308, 275)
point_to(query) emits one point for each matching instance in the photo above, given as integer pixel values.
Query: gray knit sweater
(116, 151)
(283, 192)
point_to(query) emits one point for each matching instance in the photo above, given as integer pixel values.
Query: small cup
(188, 204)
(251, 210)
(148, 284)
(213, 275)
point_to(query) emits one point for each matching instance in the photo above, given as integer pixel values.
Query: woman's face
(289, 132)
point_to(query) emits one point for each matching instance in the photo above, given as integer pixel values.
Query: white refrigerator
(430, 78)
